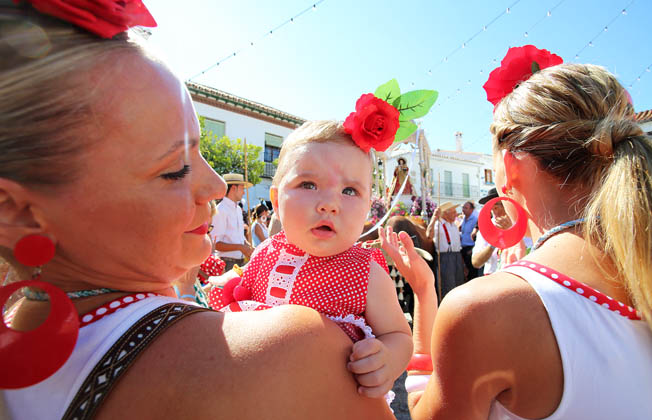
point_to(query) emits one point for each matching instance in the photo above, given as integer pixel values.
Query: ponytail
(619, 219)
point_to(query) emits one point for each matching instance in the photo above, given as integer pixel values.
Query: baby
(321, 192)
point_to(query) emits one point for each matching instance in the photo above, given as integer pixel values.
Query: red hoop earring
(29, 357)
(498, 237)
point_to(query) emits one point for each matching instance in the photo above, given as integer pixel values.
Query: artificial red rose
(516, 68)
(373, 124)
(105, 18)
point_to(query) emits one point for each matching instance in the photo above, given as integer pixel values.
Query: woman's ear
(512, 165)
(18, 217)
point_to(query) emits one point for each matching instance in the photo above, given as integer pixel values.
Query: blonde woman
(566, 332)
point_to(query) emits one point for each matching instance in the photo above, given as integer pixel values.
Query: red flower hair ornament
(105, 18)
(373, 124)
(518, 65)
(385, 117)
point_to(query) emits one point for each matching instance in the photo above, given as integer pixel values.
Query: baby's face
(324, 198)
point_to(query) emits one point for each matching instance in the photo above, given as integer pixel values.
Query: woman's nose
(212, 186)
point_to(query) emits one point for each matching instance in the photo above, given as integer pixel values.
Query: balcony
(456, 190)
(270, 170)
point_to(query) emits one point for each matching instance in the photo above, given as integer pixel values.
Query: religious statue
(401, 172)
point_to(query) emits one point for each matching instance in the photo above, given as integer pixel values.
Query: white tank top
(50, 398)
(606, 357)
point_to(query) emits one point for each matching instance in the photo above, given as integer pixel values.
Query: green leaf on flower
(535, 67)
(415, 104)
(388, 92)
(404, 130)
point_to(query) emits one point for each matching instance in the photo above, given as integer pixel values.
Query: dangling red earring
(29, 357)
(502, 238)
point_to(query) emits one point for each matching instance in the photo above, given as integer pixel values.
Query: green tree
(227, 156)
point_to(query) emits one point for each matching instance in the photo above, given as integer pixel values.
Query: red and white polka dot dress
(279, 273)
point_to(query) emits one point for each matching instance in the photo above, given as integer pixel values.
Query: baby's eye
(349, 191)
(308, 185)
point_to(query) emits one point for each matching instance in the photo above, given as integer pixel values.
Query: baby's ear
(273, 197)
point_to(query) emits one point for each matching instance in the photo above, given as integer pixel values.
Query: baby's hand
(368, 363)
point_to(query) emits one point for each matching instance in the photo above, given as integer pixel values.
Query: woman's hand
(400, 249)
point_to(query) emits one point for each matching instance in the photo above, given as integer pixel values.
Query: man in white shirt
(446, 236)
(228, 226)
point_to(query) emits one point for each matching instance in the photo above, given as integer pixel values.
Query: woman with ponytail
(566, 332)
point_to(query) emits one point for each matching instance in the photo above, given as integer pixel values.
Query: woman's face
(140, 208)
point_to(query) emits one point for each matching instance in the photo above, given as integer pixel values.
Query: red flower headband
(518, 65)
(105, 18)
(385, 116)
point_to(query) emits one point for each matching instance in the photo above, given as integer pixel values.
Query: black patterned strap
(122, 354)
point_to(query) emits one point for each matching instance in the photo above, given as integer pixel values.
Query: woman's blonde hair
(576, 120)
(47, 99)
(321, 131)
(48, 105)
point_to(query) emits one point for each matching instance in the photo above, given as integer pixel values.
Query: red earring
(29, 357)
(498, 237)
(504, 189)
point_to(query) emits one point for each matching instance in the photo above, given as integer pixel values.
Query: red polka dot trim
(581, 289)
(111, 307)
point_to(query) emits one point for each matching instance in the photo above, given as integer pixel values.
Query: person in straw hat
(446, 235)
(228, 226)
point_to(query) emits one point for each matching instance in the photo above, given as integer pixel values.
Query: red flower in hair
(373, 124)
(518, 65)
(105, 18)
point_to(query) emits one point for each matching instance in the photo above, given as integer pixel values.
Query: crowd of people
(115, 322)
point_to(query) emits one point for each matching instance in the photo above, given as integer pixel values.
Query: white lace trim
(357, 321)
(284, 281)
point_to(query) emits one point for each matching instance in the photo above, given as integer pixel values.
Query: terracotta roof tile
(643, 116)
(255, 107)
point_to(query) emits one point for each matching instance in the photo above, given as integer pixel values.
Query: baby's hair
(322, 131)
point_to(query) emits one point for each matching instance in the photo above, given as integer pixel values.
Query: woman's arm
(285, 363)
(416, 272)
(258, 231)
(378, 362)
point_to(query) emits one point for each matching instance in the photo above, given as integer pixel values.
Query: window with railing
(466, 190)
(272, 150)
(448, 183)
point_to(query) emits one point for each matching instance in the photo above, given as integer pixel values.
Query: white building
(455, 176)
(239, 118)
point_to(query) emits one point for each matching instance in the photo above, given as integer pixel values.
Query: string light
(251, 44)
(548, 14)
(590, 43)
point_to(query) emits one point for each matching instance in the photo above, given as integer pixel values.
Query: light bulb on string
(484, 28)
(445, 59)
(314, 7)
(577, 56)
(647, 69)
(251, 43)
(429, 72)
(468, 82)
(525, 34)
(606, 28)
(291, 20)
(590, 43)
(548, 14)
(463, 44)
(624, 12)
(507, 11)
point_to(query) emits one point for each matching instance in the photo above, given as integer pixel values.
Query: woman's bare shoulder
(286, 362)
(492, 337)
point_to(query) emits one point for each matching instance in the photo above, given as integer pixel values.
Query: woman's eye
(308, 185)
(349, 191)
(174, 176)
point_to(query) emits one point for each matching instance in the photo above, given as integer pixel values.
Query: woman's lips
(201, 230)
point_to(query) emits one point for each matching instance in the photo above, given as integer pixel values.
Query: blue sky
(317, 66)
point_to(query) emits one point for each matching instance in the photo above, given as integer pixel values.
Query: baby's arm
(377, 362)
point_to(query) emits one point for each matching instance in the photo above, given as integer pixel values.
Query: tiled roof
(643, 116)
(237, 103)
